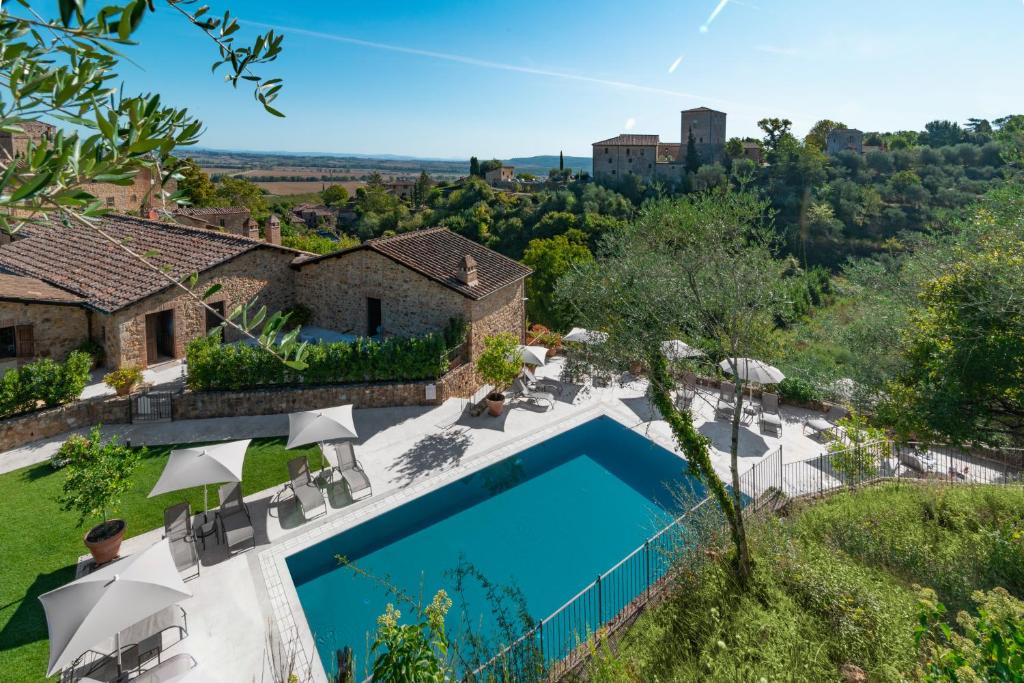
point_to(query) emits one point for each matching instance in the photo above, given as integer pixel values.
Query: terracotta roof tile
(81, 261)
(438, 253)
(19, 288)
(210, 210)
(630, 139)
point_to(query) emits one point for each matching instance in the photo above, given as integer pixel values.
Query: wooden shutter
(24, 342)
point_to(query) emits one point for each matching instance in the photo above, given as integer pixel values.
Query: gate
(151, 406)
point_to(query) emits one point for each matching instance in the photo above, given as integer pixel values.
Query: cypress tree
(692, 156)
(561, 161)
(474, 166)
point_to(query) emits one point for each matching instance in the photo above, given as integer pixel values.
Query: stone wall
(56, 328)
(501, 311)
(43, 424)
(460, 382)
(262, 273)
(614, 162)
(336, 290)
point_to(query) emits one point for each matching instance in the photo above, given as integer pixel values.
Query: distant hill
(540, 165)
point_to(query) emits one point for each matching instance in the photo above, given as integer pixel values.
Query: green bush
(45, 380)
(94, 349)
(215, 366)
(799, 390)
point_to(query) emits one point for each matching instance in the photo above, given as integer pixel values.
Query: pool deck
(243, 606)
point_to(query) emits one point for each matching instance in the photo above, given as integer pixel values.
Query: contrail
(473, 61)
(675, 64)
(714, 13)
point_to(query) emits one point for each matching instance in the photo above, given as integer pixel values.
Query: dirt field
(285, 187)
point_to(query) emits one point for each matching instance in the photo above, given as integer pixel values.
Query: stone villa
(844, 139)
(650, 159)
(62, 286)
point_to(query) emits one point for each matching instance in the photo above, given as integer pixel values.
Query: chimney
(467, 271)
(272, 232)
(152, 214)
(252, 229)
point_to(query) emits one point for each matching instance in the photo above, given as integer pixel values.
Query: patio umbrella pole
(117, 645)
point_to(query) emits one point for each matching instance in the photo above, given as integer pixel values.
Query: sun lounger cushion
(170, 669)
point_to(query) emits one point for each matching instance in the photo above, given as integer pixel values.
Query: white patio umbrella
(533, 355)
(102, 604)
(751, 370)
(327, 424)
(202, 465)
(675, 349)
(578, 334)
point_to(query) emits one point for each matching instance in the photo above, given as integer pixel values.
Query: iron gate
(151, 406)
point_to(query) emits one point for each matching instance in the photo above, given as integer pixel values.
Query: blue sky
(450, 79)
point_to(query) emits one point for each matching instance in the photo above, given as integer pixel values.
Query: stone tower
(708, 128)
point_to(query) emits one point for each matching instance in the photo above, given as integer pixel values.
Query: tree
(692, 155)
(699, 267)
(818, 135)
(421, 190)
(942, 133)
(500, 362)
(474, 167)
(561, 161)
(98, 474)
(334, 195)
(231, 191)
(195, 185)
(489, 165)
(775, 129)
(550, 259)
(733, 148)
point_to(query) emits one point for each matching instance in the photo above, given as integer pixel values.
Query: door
(159, 337)
(373, 316)
(214, 320)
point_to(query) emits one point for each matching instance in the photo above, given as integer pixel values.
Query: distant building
(647, 157)
(402, 189)
(315, 215)
(135, 198)
(708, 128)
(234, 219)
(502, 174)
(753, 151)
(844, 140)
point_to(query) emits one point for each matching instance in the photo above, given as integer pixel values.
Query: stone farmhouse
(60, 287)
(843, 140)
(502, 174)
(647, 157)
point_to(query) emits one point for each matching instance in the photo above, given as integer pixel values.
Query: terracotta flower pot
(636, 368)
(124, 390)
(104, 540)
(495, 403)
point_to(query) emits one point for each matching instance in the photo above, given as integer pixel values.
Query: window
(221, 222)
(641, 152)
(212, 320)
(610, 161)
(605, 150)
(701, 140)
(135, 199)
(8, 343)
(613, 172)
(627, 151)
(374, 318)
(110, 201)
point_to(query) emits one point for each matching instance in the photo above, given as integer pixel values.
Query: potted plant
(123, 380)
(98, 474)
(499, 364)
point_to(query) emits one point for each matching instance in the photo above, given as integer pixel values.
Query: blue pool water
(547, 520)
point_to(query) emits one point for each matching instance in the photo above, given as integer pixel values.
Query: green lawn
(833, 586)
(40, 543)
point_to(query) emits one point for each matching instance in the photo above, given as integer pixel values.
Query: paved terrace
(241, 603)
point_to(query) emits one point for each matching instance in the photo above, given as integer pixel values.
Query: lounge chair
(770, 417)
(144, 640)
(543, 385)
(726, 405)
(170, 669)
(306, 492)
(233, 517)
(828, 423)
(521, 390)
(342, 457)
(178, 531)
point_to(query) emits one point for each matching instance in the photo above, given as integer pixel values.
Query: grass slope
(40, 543)
(834, 585)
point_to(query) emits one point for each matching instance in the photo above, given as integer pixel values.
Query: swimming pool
(546, 520)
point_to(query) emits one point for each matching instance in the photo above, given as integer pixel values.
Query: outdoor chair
(726, 400)
(342, 457)
(305, 491)
(521, 390)
(233, 518)
(770, 417)
(143, 640)
(531, 382)
(178, 532)
(821, 426)
(170, 669)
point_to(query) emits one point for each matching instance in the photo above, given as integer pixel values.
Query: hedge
(214, 366)
(46, 381)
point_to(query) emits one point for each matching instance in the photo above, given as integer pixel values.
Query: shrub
(213, 366)
(500, 362)
(95, 350)
(98, 474)
(798, 390)
(46, 380)
(123, 378)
